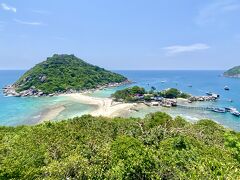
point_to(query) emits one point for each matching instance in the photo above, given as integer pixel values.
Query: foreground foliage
(156, 147)
(60, 73)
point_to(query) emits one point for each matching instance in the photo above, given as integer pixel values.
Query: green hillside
(234, 72)
(156, 147)
(60, 73)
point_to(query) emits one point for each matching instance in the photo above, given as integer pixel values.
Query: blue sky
(122, 34)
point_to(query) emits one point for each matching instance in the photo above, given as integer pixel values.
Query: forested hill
(60, 73)
(156, 147)
(234, 72)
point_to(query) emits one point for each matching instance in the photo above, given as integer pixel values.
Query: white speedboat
(230, 109)
(235, 113)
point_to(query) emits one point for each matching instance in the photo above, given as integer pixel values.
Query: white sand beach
(51, 113)
(104, 107)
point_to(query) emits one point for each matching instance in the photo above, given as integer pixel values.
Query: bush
(155, 147)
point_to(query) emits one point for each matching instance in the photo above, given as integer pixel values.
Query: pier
(195, 108)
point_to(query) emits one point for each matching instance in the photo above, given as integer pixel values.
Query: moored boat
(213, 94)
(226, 88)
(229, 109)
(235, 113)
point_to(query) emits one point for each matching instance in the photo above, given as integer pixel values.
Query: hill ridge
(233, 72)
(63, 73)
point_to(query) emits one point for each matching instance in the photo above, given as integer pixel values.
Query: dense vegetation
(129, 94)
(60, 73)
(136, 93)
(173, 93)
(234, 72)
(156, 147)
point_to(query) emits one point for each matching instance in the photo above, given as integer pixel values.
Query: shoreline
(104, 107)
(107, 107)
(51, 113)
(10, 90)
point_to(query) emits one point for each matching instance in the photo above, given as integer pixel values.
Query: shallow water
(201, 82)
(17, 111)
(28, 110)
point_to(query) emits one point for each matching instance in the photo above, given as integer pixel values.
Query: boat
(155, 103)
(208, 93)
(226, 88)
(235, 113)
(166, 104)
(163, 81)
(213, 94)
(190, 86)
(219, 110)
(229, 109)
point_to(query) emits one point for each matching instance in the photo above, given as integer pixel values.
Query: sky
(122, 34)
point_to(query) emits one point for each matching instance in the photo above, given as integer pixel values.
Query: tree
(171, 93)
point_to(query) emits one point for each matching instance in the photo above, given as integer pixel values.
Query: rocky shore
(232, 76)
(166, 102)
(10, 90)
(202, 98)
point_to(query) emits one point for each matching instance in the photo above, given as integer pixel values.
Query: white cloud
(8, 8)
(28, 23)
(177, 49)
(212, 11)
(41, 12)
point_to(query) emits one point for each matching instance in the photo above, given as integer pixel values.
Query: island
(170, 97)
(63, 74)
(233, 72)
(165, 98)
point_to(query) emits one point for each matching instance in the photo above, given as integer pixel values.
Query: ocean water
(17, 111)
(201, 82)
(28, 110)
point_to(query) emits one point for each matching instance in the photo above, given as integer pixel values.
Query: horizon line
(137, 69)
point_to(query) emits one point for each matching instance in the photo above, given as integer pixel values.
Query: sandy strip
(51, 113)
(105, 106)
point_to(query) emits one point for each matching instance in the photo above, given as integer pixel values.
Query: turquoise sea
(17, 111)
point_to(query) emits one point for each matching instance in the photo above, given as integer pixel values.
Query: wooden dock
(195, 108)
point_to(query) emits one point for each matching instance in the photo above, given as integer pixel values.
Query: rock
(43, 78)
(27, 79)
(40, 93)
(202, 98)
